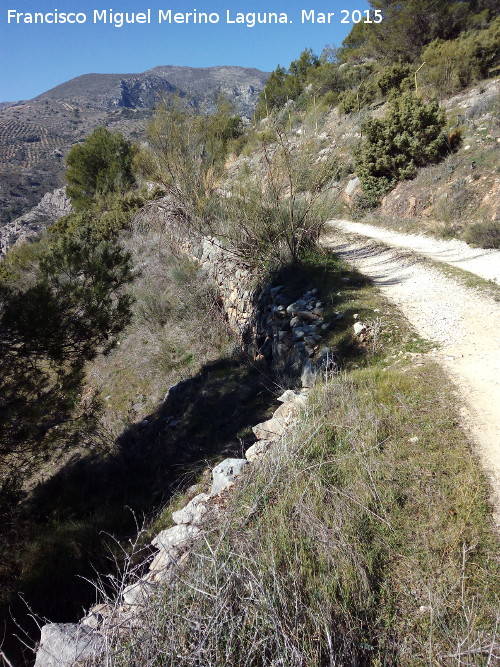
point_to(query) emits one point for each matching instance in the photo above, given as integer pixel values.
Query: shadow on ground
(67, 529)
(72, 516)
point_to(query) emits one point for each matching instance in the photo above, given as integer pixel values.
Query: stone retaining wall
(87, 642)
(288, 336)
(237, 284)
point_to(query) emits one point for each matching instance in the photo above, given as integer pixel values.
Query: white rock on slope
(223, 475)
(67, 645)
(193, 512)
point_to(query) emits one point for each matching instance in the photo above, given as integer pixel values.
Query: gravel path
(484, 263)
(462, 320)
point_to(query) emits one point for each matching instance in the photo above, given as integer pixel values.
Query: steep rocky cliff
(52, 206)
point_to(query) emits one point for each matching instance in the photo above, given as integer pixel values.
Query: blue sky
(34, 58)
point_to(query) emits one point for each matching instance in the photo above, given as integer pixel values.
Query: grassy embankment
(365, 537)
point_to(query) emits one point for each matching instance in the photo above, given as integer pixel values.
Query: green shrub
(106, 217)
(362, 203)
(325, 78)
(330, 99)
(450, 66)
(408, 137)
(187, 153)
(394, 77)
(276, 217)
(409, 26)
(483, 234)
(72, 309)
(99, 166)
(351, 101)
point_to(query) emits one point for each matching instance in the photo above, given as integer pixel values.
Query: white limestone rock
(67, 645)
(224, 474)
(176, 539)
(359, 328)
(139, 592)
(289, 396)
(257, 450)
(272, 429)
(193, 512)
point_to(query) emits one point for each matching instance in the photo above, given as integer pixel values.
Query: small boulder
(286, 412)
(193, 512)
(359, 328)
(352, 186)
(308, 375)
(289, 396)
(257, 450)
(138, 593)
(67, 645)
(224, 474)
(162, 561)
(97, 615)
(298, 334)
(272, 429)
(162, 567)
(296, 307)
(176, 539)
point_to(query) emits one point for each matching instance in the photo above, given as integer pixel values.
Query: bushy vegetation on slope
(62, 303)
(268, 218)
(409, 136)
(99, 166)
(432, 49)
(410, 25)
(452, 65)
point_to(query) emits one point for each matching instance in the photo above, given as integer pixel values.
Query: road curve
(462, 320)
(481, 262)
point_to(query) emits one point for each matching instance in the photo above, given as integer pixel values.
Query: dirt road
(483, 263)
(464, 321)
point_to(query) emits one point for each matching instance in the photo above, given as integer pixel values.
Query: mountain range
(35, 135)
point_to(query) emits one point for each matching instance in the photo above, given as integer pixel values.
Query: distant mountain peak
(201, 85)
(35, 135)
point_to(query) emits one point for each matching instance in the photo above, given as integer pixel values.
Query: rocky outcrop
(199, 85)
(52, 206)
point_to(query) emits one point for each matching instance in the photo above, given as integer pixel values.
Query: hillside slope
(35, 135)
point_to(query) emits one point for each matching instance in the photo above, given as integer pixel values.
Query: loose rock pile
(289, 334)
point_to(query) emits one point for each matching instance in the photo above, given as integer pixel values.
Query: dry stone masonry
(272, 328)
(288, 336)
(73, 644)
